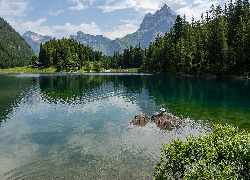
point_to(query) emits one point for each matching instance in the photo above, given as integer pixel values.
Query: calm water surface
(77, 126)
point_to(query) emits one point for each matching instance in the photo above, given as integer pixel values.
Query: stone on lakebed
(163, 120)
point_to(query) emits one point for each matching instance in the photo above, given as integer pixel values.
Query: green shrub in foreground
(225, 154)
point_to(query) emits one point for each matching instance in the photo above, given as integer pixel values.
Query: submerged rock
(140, 119)
(163, 120)
(166, 120)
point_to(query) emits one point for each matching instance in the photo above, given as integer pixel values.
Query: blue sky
(111, 18)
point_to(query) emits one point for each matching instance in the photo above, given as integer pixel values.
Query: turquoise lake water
(76, 126)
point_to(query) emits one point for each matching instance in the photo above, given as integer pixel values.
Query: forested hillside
(14, 50)
(61, 53)
(218, 44)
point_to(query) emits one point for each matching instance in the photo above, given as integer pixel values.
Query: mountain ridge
(34, 40)
(158, 23)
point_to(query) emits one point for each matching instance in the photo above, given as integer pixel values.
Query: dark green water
(77, 126)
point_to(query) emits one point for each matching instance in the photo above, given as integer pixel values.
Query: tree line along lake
(77, 125)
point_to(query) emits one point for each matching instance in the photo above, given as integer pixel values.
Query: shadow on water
(12, 89)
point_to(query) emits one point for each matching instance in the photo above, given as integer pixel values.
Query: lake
(76, 126)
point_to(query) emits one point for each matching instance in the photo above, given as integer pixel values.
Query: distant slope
(160, 22)
(14, 50)
(34, 40)
(98, 42)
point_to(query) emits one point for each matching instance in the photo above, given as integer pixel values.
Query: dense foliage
(14, 50)
(225, 154)
(217, 44)
(61, 53)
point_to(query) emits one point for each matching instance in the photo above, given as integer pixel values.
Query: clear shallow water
(77, 126)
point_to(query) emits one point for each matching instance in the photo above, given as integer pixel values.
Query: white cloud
(69, 29)
(73, 1)
(118, 5)
(197, 2)
(122, 30)
(79, 6)
(183, 3)
(55, 13)
(135, 21)
(13, 8)
(142, 6)
(188, 7)
(30, 8)
(109, 1)
(196, 8)
(59, 31)
(29, 25)
(91, 2)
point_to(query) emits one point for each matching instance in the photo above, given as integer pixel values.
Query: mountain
(152, 24)
(98, 42)
(34, 40)
(14, 50)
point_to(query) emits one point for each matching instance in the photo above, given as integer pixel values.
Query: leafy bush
(97, 65)
(88, 66)
(225, 154)
(34, 59)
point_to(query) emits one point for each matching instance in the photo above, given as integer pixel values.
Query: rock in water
(140, 119)
(163, 120)
(166, 120)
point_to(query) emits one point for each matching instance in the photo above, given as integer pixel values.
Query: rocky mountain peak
(148, 16)
(151, 21)
(158, 23)
(36, 37)
(34, 40)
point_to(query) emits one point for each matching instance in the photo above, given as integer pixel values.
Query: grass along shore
(30, 70)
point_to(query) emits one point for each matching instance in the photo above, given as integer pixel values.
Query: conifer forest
(218, 44)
